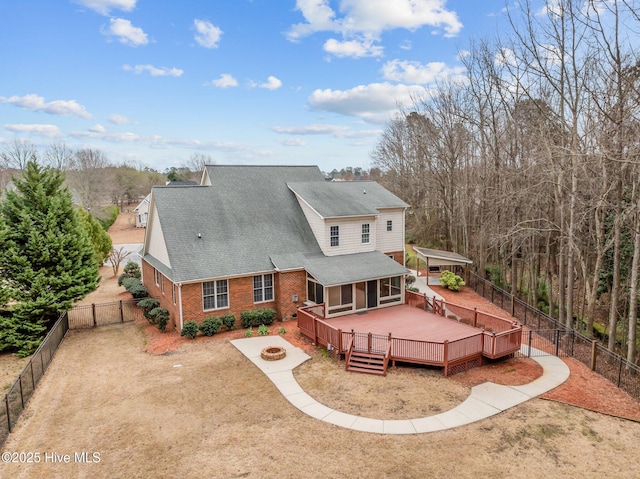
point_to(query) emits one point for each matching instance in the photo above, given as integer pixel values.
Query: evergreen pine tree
(46, 258)
(100, 240)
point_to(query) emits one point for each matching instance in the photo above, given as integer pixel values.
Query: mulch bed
(584, 388)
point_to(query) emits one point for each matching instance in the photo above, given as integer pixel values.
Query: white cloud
(98, 128)
(119, 119)
(366, 20)
(57, 107)
(154, 71)
(226, 80)
(406, 45)
(48, 131)
(126, 32)
(291, 142)
(272, 83)
(415, 72)
(104, 6)
(208, 34)
(353, 48)
(336, 131)
(374, 103)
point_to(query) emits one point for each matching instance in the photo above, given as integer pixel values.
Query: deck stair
(371, 363)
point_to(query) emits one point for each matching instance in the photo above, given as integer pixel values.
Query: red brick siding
(288, 285)
(398, 256)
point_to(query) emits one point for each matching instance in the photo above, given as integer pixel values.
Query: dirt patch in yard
(124, 231)
(205, 411)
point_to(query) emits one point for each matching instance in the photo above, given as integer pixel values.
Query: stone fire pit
(273, 353)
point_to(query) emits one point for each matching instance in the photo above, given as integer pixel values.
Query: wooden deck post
(339, 342)
(475, 316)
(369, 342)
(445, 358)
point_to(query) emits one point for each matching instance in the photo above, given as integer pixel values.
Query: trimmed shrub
(147, 305)
(451, 280)
(131, 270)
(412, 288)
(160, 317)
(211, 326)
(135, 287)
(229, 320)
(256, 317)
(190, 329)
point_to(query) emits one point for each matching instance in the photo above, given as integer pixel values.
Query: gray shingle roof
(244, 217)
(351, 268)
(349, 198)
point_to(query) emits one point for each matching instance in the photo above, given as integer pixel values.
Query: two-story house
(276, 237)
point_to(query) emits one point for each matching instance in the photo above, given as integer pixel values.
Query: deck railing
(504, 339)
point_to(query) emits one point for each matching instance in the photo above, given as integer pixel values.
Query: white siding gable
(388, 241)
(155, 244)
(316, 223)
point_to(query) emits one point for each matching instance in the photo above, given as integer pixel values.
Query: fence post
(121, 311)
(530, 339)
(21, 393)
(93, 313)
(513, 305)
(620, 370)
(33, 381)
(557, 341)
(6, 402)
(594, 349)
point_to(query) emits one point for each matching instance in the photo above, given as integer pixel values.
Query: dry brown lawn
(206, 411)
(202, 409)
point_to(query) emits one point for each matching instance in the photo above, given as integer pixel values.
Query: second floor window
(365, 233)
(389, 225)
(335, 235)
(262, 288)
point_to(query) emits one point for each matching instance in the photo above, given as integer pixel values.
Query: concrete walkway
(486, 399)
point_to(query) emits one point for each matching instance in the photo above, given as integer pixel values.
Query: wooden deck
(405, 322)
(419, 332)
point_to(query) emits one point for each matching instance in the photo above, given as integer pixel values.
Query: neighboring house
(273, 237)
(142, 212)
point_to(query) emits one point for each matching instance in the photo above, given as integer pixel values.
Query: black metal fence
(550, 336)
(93, 315)
(22, 389)
(79, 317)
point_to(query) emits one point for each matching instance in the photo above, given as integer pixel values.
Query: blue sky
(245, 81)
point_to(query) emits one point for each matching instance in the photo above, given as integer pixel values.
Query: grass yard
(206, 411)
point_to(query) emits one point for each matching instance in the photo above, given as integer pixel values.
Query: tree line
(529, 164)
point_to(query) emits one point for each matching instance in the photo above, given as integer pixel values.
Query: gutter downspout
(180, 303)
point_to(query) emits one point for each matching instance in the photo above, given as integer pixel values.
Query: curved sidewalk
(486, 399)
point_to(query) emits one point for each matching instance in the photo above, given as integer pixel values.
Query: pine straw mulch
(584, 388)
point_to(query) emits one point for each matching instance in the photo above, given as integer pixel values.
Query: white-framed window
(389, 225)
(215, 294)
(365, 233)
(162, 283)
(334, 235)
(263, 288)
(173, 293)
(390, 289)
(156, 275)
